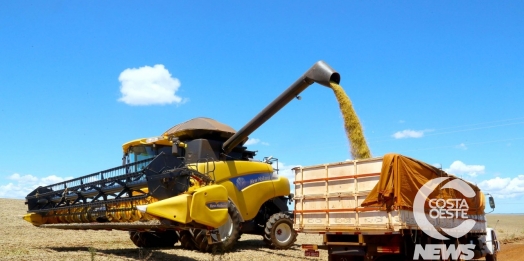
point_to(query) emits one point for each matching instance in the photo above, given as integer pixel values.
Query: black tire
(163, 239)
(491, 257)
(229, 236)
(239, 235)
(267, 241)
(200, 239)
(279, 232)
(186, 240)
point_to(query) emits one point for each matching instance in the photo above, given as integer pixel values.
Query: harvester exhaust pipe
(320, 73)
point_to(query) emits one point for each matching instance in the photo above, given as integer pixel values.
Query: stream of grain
(357, 141)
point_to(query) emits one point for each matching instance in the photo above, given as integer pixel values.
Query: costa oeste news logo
(455, 209)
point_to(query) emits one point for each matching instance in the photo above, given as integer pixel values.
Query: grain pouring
(357, 141)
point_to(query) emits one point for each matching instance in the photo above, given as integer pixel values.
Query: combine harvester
(195, 184)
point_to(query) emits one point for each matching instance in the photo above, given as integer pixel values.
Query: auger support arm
(320, 73)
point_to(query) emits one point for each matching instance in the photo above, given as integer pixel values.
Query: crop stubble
(20, 240)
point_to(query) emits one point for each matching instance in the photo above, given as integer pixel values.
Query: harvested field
(22, 241)
(509, 227)
(510, 230)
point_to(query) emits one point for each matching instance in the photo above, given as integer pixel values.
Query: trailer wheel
(279, 232)
(154, 239)
(229, 233)
(491, 257)
(187, 240)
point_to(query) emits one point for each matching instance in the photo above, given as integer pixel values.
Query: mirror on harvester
(491, 202)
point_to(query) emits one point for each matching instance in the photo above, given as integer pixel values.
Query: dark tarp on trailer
(401, 178)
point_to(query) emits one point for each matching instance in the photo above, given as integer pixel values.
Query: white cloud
(458, 167)
(52, 180)
(409, 134)
(148, 86)
(286, 170)
(23, 185)
(253, 141)
(461, 146)
(504, 187)
(23, 179)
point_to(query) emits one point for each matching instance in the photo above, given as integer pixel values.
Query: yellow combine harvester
(196, 183)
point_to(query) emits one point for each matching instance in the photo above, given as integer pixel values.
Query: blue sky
(439, 81)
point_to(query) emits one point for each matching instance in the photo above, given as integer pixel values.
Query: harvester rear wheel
(154, 239)
(279, 232)
(229, 233)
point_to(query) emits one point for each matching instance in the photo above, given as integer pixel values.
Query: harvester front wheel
(229, 233)
(187, 240)
(154, 239)
(279, 232)
(201, 242)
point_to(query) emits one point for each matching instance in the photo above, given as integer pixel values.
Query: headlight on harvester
(155, 139)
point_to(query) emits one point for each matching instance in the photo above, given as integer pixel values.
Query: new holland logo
(216, 205)
(248, 180)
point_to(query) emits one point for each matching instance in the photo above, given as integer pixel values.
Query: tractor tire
(163, 239)
(187, 240)
(201, 242)
(279, 232)
(229, 233)
(267, 241)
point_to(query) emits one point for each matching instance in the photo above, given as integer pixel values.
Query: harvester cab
(196, 183)
(145, 148)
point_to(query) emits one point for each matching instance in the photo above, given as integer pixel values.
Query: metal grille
(108, 184)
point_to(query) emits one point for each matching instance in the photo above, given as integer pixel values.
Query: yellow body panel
(175, 208)
(249, 184)
(136, 193)
(209, 206)
(34, 219)
(282, 186)
(162, 140)
(252, 197)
